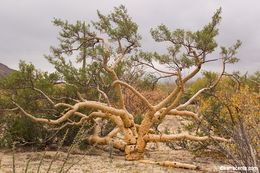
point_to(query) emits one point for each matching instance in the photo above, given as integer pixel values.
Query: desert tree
(109, 52)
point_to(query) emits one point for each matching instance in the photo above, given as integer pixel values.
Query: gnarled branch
(171, 164)
(42, 93)
(148, 104)
(181, 136)
(184, 113)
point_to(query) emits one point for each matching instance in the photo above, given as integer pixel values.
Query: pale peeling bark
(182, 136)
(97, 140)
(172, 164)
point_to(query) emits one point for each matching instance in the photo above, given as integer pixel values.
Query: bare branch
(165, 101)
(80, 97)
(12, 109)
(118, 60)
(113, 133)
(192, 74)
(181, 136)
(221, 74)
(114, 76)
(172, 164)
(65, 98)
(184, 113)
(95, 139)
(63, 105)
(182, 106)
(65, 117)
(156, 69)
(161, 77)
(104, 95)
(197, 69)
(148, 104)
(125, 116)
(42, 93)
(171, 106)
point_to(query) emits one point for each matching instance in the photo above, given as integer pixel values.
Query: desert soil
(99, 162)
(96, 160)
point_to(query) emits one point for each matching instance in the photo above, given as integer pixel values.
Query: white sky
(26, 31)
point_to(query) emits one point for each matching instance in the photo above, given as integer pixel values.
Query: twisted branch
(181, 136)
(148, 104)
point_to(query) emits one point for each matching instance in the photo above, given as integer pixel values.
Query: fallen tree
(103, 58)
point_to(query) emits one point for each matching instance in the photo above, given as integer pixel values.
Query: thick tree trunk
(136, 151)
(133, 152)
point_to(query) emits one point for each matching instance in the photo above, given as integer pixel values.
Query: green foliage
(229, 53)
(21, 87)
(85, 72)
(118, 25)
(22, 131)
(204, 38)
(253, 81)
(138, 118)
(186, 49)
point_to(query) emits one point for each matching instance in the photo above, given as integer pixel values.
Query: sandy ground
(98, 161)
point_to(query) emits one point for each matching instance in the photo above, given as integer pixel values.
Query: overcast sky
(26, 31)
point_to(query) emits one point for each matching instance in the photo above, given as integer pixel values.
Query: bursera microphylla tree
(107, 46)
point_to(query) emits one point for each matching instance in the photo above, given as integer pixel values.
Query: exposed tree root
(172, 164)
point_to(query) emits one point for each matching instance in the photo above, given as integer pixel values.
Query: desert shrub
(232, 110)
(22, 131)
(22, 85)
